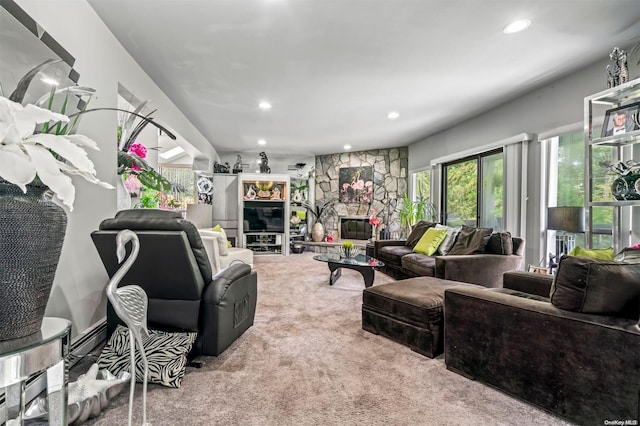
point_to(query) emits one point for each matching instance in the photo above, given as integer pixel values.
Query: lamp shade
(569, 219)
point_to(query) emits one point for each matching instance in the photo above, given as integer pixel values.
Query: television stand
(265, 242)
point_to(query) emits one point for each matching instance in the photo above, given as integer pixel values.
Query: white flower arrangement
(53, 158)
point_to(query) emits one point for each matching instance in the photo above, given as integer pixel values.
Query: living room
(523, 125)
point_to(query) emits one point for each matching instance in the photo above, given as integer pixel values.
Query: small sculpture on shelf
(619, 74)
(264, 163)
(220, 168)
(626, 186)
(237, 167)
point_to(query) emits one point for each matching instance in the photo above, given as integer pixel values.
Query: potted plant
(348, 249)
(318, 211)
(411, 212)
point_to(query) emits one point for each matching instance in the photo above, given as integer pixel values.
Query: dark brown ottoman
(409, 312)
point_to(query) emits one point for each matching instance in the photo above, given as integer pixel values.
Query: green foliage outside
(149, 199)
(423, 184)
(462, 193)
(571, 177)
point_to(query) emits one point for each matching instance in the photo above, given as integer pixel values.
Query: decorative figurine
(220, 168)
(264, 163)
(237, 167)
(620, 72)
(130, 304)
(275, 194)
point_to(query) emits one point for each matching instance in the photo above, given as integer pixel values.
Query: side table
(370, 249)
(22, 358)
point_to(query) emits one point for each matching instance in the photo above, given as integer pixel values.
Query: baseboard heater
(81, 345)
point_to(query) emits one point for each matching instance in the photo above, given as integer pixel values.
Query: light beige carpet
(307, 361)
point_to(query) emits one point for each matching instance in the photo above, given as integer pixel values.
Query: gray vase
(31, 237)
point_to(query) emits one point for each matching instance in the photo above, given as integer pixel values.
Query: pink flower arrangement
(329, 238)
(133, 185)
(635, 246)
(139, 150)
(373, 220)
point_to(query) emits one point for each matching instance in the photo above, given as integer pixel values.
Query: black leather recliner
(173, 269)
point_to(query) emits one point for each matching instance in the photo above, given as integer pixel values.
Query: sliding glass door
(473, 191)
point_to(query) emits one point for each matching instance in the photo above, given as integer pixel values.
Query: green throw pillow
(430, 241)
(603, 254)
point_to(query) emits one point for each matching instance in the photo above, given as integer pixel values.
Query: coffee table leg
(336, 271)
(368, 274)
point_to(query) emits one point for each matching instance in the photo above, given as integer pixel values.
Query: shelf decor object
(621, 97)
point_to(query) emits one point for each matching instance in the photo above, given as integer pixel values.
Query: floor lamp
(567, 220)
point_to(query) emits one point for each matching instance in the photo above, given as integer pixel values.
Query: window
(423, 184)
(567, 163)
(183, 187)
(473, 191)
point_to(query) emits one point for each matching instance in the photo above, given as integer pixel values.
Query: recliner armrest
(223, 280)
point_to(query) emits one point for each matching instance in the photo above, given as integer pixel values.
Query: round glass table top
(52, 329)
(359, 260)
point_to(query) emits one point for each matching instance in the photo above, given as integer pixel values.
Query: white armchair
(221, 256)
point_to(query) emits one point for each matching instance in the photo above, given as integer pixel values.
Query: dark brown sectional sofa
(581, 362)
(485, 268)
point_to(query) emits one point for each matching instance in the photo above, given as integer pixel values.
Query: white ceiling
(333, 69)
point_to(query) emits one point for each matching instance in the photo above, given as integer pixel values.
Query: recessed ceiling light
(347, 147)
(49, 81)
(262, 142)
(517, 26)
(264, 105)
(393, 115)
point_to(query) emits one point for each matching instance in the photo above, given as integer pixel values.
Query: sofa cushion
(416, 233)
(449, 240)
(500, 243)
(471, 240)
(392, 255)
(430, 241)
(604, 254)
(419, 264)
(595, 286)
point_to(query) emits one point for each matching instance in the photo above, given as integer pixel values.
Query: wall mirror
(23, 45)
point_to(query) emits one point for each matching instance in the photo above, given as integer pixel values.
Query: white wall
(78, 291)
(556, 105)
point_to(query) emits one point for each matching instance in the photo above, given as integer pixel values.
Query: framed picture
(356, 184)
(538, 270)
(621, 120)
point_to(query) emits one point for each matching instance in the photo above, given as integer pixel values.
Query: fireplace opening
(354, 228)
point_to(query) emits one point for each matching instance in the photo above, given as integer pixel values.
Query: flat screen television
(263, 216)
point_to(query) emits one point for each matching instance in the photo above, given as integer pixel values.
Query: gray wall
(554, 106)
(78, 291)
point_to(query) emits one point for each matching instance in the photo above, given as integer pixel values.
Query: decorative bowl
(349, 253)
(88, 396)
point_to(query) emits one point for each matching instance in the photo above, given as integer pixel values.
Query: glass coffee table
(362, 263)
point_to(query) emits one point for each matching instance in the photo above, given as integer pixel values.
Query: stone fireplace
(390, 181)
(354, 228)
